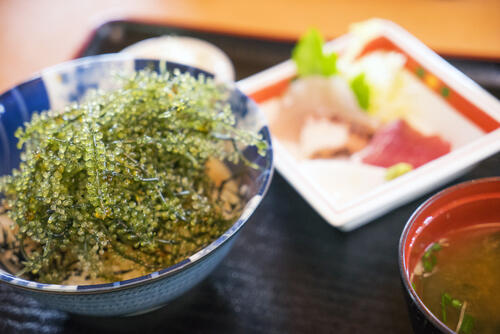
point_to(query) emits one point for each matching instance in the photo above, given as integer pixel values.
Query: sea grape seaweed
(123, 174)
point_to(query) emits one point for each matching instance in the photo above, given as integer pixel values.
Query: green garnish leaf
(361, 90)
(309, 57)
(467, 324)
(436, 247)
(429, 260)
(397, 170)
(456, 303)
(467, 321)
(429, 263)
(445, 301)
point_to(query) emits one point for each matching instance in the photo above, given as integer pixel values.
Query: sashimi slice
(321, 137)
(399, 142)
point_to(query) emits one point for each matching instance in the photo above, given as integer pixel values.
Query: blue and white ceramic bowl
(67, 82)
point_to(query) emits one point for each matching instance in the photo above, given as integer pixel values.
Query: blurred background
(36, 34)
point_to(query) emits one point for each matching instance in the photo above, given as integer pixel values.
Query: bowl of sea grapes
(124, 181)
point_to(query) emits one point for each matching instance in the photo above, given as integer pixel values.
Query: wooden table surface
(36, 34)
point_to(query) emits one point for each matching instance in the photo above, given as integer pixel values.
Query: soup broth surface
(458, 279)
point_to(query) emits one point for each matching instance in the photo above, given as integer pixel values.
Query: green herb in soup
(458, 280)
(126, 182)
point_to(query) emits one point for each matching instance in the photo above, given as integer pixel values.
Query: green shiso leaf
(309, 57)
(361, 90)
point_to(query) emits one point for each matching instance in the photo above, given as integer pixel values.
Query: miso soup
(458, 279)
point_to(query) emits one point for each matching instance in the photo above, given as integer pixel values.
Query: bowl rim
(200, 255)
(404, 237)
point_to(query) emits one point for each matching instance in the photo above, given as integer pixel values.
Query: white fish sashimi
(322, 135)
(326, 97)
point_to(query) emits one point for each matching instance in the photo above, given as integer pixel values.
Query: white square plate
(466, 115)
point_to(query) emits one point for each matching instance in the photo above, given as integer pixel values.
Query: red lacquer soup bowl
(467, 204)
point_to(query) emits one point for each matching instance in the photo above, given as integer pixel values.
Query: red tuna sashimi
(399, 142)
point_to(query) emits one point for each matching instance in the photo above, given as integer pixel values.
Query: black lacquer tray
(289, 271)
